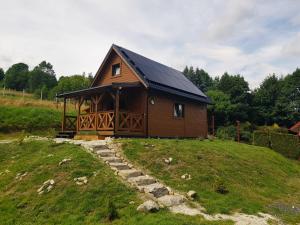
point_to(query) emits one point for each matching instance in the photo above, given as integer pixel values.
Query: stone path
(155, 190)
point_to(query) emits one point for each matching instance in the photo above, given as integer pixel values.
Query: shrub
(228, 133)
(261, 138)
(286, 144)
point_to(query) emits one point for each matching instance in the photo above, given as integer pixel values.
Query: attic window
(178, 110)
(116, 69)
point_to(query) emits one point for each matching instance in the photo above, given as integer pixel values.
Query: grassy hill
(256, 178)
(68, 203)
(22, 112)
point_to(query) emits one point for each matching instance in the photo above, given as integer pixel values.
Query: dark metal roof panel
(180, 93)
(159, 73)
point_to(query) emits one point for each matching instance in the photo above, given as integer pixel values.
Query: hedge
(286, 144)
(261, 138)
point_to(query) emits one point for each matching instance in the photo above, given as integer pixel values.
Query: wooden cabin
(132, 95)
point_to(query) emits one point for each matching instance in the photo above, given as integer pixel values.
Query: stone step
(120, 166)
(156, 189)
(106, 153)
(130, 173)
(142, 180)
(100, 147)
(171, 200)
(112, 159)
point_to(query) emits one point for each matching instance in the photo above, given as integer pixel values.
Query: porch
(117, 109)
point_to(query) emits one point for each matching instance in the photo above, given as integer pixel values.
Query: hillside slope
(67, 202)
(256, 178)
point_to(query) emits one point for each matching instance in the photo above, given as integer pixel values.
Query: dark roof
(161, 77)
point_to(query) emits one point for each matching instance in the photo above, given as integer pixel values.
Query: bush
(261, 138)
(286, 144)
(28, 119)
(228, 133)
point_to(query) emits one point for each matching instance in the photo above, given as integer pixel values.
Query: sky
(253, 38)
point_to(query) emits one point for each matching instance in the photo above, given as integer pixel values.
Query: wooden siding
(161, 121)
(105, 76)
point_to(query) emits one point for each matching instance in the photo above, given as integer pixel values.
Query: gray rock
(119, 166)
(171, 200)
(106, 153)
(130, 173)
(142, 180)
(112, 159)
(156, 189)
(148, 206)
(64, 161)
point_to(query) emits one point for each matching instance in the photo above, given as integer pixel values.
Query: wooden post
(96, 111)
(117, 106)
(80, 101)
(64, 116)
(238, 130)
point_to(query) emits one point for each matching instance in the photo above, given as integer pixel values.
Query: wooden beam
(64, 116)
(80, 101)
(117, 108)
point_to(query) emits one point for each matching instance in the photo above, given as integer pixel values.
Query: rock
(148, 206)
(46, 187)
(106, 153)
(186, 176)
(64, 161)
(170, 159)
(171, 200)
(130, 173)
(119, 166)
(81, 180)
(131, 202)
(142, 180)
(171, 192)
(20, 176)
(156, 189)
(191, 194)
(112, 159)
(49, 155)
(167, 161)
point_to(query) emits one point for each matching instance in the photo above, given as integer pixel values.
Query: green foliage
(70, 83)
(28, 118)
(42, 77)
(255, 177)
(199, 77)
(2, 74)
(286, 144)
(112, 212)
(226, 133)
(261, 138)
(16, 77)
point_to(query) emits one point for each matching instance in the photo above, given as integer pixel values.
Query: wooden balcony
(128, 123)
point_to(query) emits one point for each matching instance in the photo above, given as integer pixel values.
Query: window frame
(174, 110)
(112, 70)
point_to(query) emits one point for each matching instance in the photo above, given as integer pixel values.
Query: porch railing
(70, 123)
(105, 121)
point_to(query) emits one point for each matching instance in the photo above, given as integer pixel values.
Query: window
(116, 69)
(178, 110)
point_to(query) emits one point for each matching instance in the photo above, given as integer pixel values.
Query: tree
(222, 107)
(199, 77)
(70, 83)
(265, 98)
(16, 77)
(2, 74)
(41, 76)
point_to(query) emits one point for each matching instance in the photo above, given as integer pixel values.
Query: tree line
(41, 80)
(276, 100)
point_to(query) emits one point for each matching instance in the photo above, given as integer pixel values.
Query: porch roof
(98, 89)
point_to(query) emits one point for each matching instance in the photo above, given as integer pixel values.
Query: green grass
(257, 178)
(28, 118)
(69, 203)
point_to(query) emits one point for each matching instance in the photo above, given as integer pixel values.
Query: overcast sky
(253, 37)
